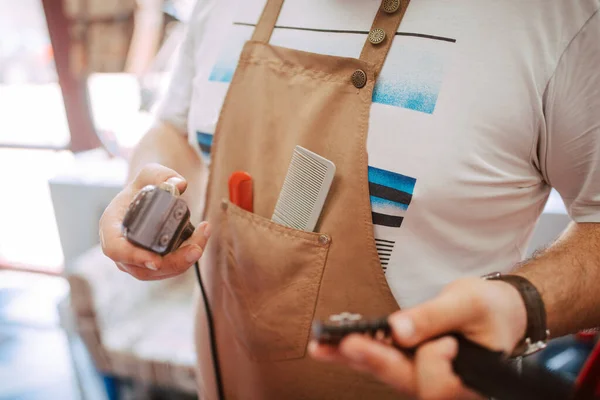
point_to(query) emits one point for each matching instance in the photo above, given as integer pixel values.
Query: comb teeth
(304, 190)
(300, 191)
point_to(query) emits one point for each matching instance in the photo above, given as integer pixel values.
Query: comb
(304, 191)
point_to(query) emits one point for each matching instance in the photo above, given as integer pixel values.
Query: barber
(448, 125)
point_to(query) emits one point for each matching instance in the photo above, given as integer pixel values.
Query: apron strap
(375, 50)
(388, 20)
(266, 23)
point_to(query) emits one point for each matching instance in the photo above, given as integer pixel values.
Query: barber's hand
(140, 263)
(491, 313)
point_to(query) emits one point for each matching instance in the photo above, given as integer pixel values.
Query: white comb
(304, 191)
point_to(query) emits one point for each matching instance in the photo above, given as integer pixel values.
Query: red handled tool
(240, 190)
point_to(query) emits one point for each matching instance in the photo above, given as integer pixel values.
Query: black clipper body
(157, 220)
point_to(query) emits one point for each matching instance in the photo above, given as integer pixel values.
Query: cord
(211, 330)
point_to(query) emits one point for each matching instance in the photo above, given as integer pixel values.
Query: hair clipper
(483, 370)
(157, 219)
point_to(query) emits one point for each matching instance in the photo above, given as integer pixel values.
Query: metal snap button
(323, 239)
(376, 36)
(390, 6)
(359, 78)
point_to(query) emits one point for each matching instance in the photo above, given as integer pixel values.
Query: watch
(537, 333)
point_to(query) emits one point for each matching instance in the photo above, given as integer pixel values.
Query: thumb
(451, 311)
(178, 182)
(155, 174)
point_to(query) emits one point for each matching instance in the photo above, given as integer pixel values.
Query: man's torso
(453, 164)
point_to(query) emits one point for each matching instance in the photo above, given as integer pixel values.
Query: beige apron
(265, 283)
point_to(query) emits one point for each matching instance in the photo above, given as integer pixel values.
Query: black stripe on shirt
(387, 220)
(388, 193)
(298, 28)
(205, 148)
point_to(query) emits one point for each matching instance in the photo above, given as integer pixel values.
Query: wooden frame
(74, 88)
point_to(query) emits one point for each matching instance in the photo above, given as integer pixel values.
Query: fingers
(144, 274)
(369, 356)
(323, 352)
(189, 253)
(165, 267)
(435, 377)
(385, 363)
(452, 310)
(155, 174)
(116, 247)
(429, 376)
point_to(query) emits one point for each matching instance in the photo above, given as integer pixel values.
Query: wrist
(516, 311)
(536, 332)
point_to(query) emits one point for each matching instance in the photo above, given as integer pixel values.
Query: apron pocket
(271, 276)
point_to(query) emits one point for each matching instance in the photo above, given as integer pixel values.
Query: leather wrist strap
(536, 334)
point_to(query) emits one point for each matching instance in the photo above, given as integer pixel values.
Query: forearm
(567, 276)
(164, 145)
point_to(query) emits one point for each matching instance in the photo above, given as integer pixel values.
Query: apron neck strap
(375, 51)
(267, 21)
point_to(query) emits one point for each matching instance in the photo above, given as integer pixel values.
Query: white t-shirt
(481, 108)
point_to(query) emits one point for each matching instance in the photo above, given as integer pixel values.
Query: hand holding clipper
(157, 219)
(146, 229)
(479, 368)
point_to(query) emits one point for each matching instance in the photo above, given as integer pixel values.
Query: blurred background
(79, 80)
(78, 83)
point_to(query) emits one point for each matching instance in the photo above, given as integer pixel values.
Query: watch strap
(536, 334)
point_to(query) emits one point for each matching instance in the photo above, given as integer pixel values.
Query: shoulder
(571, 18)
